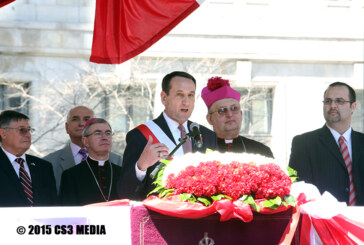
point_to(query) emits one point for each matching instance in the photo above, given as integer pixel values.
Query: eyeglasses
(222, 111)
(337, 101)
(98, 134)
(22, 131)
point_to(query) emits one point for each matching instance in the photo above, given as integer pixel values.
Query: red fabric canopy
(5, 2)
(124, 29)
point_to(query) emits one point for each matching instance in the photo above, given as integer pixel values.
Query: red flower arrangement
(211, 180)
(233, 180)
(274, 182)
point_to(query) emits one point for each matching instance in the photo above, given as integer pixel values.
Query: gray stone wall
(295, 47)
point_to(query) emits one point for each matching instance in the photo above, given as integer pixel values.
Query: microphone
(159, 166)
(195, 128)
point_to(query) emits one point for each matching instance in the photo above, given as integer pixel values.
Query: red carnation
(217, 82)
(275, 182)
(234, 180)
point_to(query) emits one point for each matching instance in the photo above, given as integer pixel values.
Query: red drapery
(5, 2)
(124, 29)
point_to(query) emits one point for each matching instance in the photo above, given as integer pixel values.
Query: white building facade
(281, 55)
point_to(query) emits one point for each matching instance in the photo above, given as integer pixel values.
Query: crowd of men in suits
(85, 171)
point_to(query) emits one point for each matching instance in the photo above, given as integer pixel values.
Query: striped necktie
(83, 153)
(345, 152)
(187, 146)
(25, 180)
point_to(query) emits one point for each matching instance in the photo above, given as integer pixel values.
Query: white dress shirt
(346, 135)
(15, 164)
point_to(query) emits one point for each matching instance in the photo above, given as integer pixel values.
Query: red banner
(124, 29)
(5, 2)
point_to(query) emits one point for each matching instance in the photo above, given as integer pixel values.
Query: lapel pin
(33, 164)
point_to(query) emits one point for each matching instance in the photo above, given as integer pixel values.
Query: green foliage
(272, 203)
(220, 197)
(204, 200)
(294, 179)
(250, 200)
(166, 162)
(166, 193)
(292, 174)
(158, 189)
(192, 198)
(158, 181)
(290, 200)
(187, 197)
(276, 202)
(209, 150)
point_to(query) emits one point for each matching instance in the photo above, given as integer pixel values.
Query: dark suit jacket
(44, 186)
(243, 144)
(317, 158)
(78, 185)
(129, 186)
(63, 159)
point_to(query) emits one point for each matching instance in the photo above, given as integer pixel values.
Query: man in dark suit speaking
(152, 141)
(332, 157)
(25, 180)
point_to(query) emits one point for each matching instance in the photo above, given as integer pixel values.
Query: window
(257, 106)
(124, 107)
(134, 107)
(13, 96)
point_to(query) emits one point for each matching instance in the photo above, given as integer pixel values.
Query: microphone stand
(160, 165)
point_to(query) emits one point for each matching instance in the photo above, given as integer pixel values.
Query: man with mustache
(332, 157)
(94, 179)
(25, 180)
(225, 115)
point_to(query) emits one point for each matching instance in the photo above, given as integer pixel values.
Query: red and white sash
(150, 128)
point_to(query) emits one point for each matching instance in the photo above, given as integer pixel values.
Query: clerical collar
(100, 163)
(228, 141)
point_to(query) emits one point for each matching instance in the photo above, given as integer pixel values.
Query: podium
(135, 224)
(149, 227)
